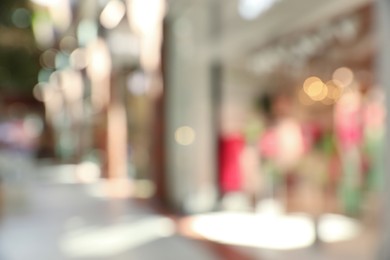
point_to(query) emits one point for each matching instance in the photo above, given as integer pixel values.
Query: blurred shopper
(349, 134)
(281, 145)
(252, 173)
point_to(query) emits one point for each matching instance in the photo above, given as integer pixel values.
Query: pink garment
(349, 129)
(269, 144)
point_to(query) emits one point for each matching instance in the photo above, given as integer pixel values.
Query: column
(190, 122)
(382, 9)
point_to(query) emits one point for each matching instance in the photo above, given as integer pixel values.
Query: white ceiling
(289, 16)
(240, 37)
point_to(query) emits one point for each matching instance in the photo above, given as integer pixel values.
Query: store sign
(298, 50)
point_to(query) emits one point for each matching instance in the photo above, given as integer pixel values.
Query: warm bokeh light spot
(185, 135)
(310, 81)
(343, 75)
(334, 92)
(315, 89)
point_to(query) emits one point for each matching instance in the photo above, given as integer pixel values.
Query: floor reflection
(115, 239)
(273, 231)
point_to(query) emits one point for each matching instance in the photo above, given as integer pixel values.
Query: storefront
(276, 112)
(296, 109)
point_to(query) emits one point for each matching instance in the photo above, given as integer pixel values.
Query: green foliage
(6, 9)
(19, 59)
(18, 69)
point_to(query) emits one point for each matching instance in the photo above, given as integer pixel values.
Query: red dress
(230, 149)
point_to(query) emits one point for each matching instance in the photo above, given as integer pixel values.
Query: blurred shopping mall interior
(194, 129)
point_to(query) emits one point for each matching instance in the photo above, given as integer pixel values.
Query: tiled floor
(61, 222)
(45, 220)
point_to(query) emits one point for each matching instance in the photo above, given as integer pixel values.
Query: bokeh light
(112, 14)
(343, 75)
(99, 60)
(87, 31)
(43, 30)
(334, 92)
(68, 44)
(61, 60)
(309, 81)
(185, 135)
(38, 92)
(137, 83)
(47, 58)
(72, 85)
(21, 18)
(315, 88)
(44, 75)
(61, 15)
(78, 59)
